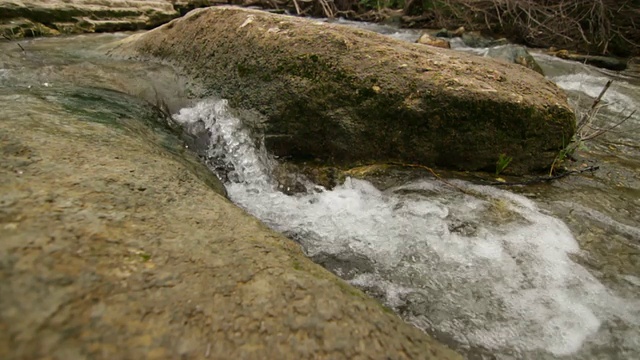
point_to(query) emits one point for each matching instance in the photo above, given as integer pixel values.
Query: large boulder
(346, 96)
(116, 243)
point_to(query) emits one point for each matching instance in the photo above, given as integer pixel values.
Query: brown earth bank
(347, 96)
(116, 243)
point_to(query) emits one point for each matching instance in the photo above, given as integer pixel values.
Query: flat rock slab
(348, 96)
(51, 17)
(115, 245)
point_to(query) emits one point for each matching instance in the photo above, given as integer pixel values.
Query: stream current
(544, 271)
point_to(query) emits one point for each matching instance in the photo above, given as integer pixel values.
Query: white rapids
(486, 268)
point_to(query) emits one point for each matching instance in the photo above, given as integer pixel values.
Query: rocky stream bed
(117, 241)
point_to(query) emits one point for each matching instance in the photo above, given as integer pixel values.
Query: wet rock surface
(515, 54)
(427, 39)
(113, 246)
(476, 40)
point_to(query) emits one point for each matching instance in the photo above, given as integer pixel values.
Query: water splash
(242, 161)
(487, 267)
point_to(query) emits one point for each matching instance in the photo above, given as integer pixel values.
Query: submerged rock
(476, 40)
(117, 244)
(427, 39)
(515, 54)
(633, 66)
(348, 96)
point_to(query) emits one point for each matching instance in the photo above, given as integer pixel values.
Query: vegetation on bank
(595, 26)
(608, 27)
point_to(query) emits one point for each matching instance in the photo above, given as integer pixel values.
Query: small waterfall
(238, 158)
(489, 270)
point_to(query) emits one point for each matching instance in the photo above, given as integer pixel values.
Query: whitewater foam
(485, 267)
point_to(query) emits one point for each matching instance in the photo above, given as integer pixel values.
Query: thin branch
(604, 90)
(544, 179)
(295, 3)
(432, 173)
(602, 131)
(17, 43)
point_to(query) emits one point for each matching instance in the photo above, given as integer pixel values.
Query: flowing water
(544, 271)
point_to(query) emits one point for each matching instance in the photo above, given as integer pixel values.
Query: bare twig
(326, 8)
(544, 179)
(295, 3)
(593, 110)
(586, 130)
(17, 43)
(602, 92)
(599, 132)
(584, 25)
(432, 173)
